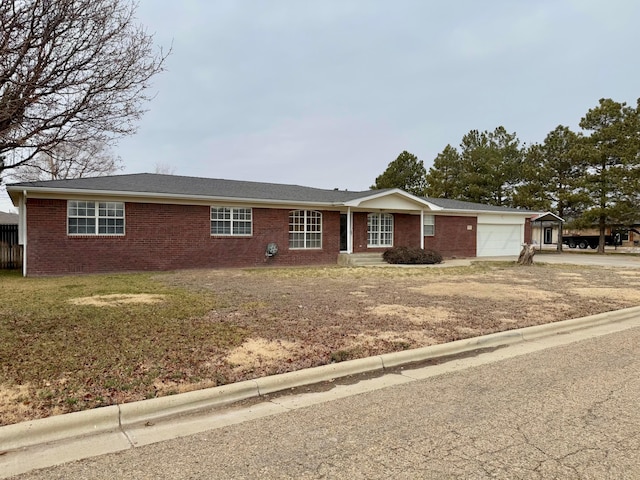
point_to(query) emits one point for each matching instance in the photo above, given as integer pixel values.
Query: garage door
(496, 240)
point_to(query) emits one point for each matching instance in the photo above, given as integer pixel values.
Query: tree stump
(526, 254)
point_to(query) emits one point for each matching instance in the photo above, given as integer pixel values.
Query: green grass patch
(75, 356)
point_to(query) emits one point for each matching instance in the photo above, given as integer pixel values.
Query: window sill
(96, 235)
(219, 235)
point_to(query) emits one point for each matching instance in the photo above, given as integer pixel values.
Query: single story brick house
(144, 221)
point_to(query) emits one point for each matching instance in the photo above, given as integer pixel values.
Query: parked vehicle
(584, 241)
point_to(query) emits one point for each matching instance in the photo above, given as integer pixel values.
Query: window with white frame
(231, 221)
(429, 225)
(305, 229)
(95, 218)
(380, 230)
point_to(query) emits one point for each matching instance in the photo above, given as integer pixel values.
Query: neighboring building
(8, 218)
(162, 222)
(10, 250)
(629, 236)
(545, 228)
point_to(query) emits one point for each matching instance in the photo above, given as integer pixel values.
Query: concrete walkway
(56, 440)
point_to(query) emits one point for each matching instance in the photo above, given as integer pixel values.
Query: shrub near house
(411, 256)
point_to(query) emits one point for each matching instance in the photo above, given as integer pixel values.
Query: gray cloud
(327, 93)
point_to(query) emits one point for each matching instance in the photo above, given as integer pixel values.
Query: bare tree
(72, 72)
(94, 159)
(164, 168)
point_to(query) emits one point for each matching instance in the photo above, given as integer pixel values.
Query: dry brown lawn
(304, 317)
(82, 342)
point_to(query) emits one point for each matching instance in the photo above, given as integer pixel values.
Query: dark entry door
(343, 232)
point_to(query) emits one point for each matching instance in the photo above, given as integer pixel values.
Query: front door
(343, 232)
(548, 235)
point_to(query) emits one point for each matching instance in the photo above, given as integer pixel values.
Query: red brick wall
(165, 237)
(359, 232)
(406, 232)
(452, 238)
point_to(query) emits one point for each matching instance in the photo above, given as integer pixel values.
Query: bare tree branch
(94, 159)
(164, 168)
(72, 73)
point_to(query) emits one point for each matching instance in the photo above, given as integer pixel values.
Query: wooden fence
(10, 251)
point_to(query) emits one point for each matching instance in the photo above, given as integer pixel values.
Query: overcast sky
(326, 93)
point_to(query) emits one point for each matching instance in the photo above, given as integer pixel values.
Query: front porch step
(360, 259)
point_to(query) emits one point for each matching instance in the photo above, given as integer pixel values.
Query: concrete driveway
(613, 258)
(576, 258)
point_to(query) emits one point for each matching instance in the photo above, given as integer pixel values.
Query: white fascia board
(15, 194)
(166, 197)
(485, 212)
(395, 191)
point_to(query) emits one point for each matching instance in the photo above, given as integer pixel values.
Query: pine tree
(442, 179)
(611, 153)
(405, 172)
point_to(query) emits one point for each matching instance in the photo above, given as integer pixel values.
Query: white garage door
(497, 240)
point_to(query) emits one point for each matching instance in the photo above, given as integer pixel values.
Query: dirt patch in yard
(117, 299)
(254, 352)
(488, 291)
(618, 293)
(414, 315)
(14, 402)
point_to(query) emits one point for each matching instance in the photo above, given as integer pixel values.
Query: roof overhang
(546, 217)
(152, 197)
(391, 200)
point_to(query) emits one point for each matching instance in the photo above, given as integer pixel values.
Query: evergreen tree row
(591, 178)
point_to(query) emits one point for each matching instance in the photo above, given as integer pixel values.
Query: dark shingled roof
(196, 186)
(152, 183)
(449, 204)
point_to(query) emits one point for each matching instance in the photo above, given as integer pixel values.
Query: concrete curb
(121, 417)
(323, 373)
(59, 427)
(156, 408)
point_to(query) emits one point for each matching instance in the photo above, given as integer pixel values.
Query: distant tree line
(591, 178)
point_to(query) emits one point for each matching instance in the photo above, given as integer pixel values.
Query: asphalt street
(566, 412)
